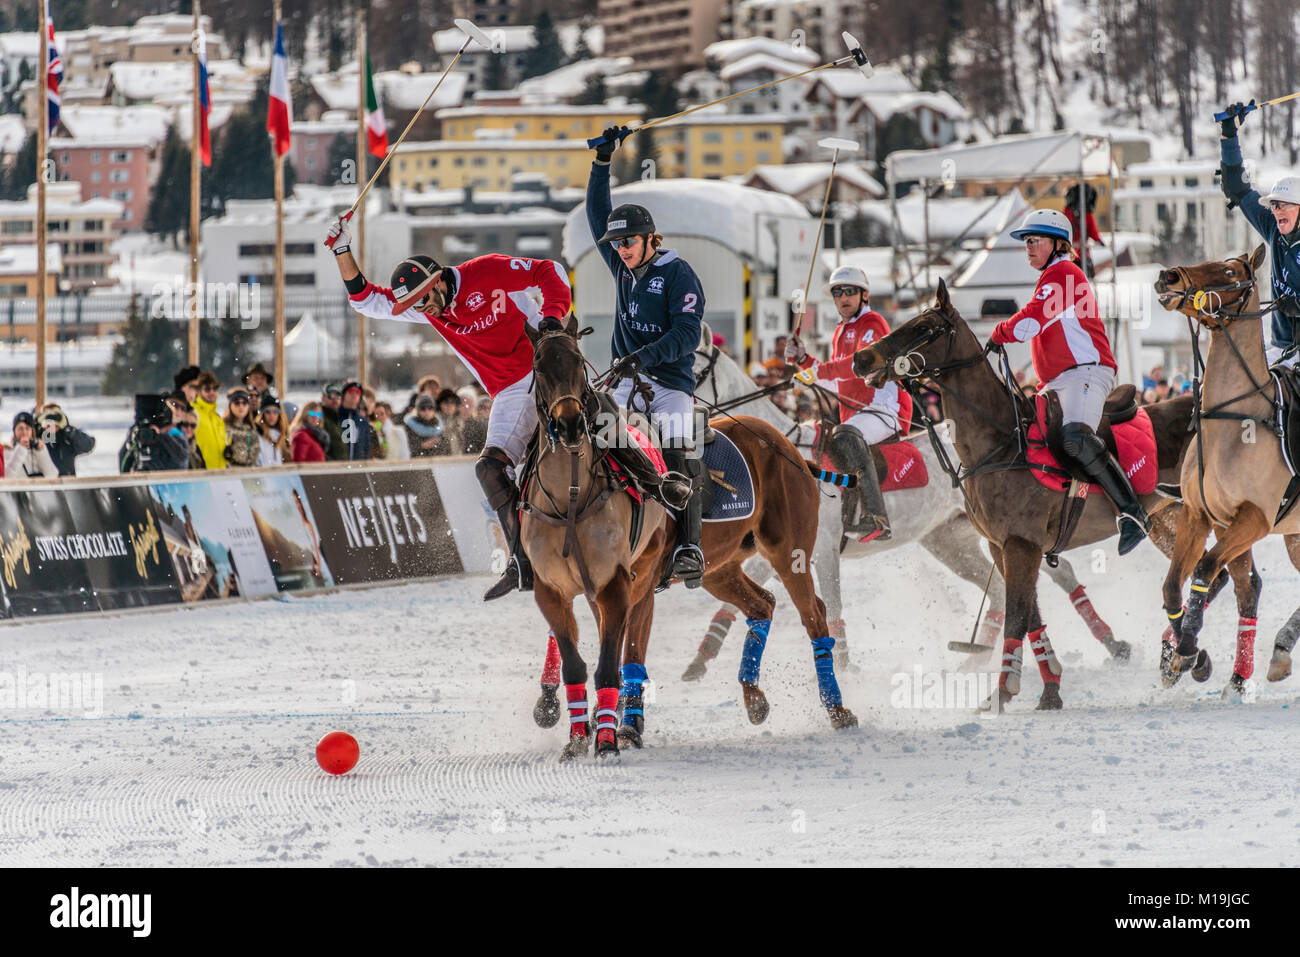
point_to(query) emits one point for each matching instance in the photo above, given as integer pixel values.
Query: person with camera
(28, 456)
(64, 441)
(155, 443)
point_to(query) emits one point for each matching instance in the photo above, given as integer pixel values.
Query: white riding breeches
(513, 419)
(1083, 391)
(875, 427)
(671, 411)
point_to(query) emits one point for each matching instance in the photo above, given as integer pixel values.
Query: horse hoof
(1201, 670)
(1279, 666)
(576, 748)
(547, 710)
(756, 705)
(1003, 699)
(1235, 690)
(1119, 650)
(607, 749)
(1168, 676)
(696, 669)
(845, 666)
(842, 717)
(1050, 699)
(629, 735)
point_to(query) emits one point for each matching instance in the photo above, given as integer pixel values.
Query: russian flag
(52, 76)
(277, 116)
(205, 102)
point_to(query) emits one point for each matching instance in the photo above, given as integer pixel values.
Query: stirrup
(678, 501)
(1131, 532)
(870, 528)
(516, 576)
(688, 564)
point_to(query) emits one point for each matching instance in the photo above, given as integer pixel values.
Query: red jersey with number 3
(866, 327)
(484, 322)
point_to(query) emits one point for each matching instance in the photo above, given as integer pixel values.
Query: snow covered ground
(203, 750)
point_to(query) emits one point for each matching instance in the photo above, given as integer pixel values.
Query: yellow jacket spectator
(211, 433)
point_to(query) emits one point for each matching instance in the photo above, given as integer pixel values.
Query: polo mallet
(1251, 107)
(973, 647)
(836, 145)
(855, 56)
(472, 34)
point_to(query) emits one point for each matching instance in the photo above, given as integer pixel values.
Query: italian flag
(376, 131)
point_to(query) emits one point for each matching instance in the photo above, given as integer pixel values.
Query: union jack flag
(53, 75)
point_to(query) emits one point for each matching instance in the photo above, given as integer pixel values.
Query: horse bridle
(1201, 296)
(585, 399)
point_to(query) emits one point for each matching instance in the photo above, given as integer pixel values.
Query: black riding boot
(503, 498)
(688, 559)
(1089, 452)
(850, 453)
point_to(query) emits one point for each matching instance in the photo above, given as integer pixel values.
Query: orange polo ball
(337, 752)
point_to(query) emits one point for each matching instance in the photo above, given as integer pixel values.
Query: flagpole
(195, 180)
(360, 256)
(280, 369)
(42, 130)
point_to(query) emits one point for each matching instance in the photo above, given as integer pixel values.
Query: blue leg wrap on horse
(634, 676)
(827, 686)
(752, 655)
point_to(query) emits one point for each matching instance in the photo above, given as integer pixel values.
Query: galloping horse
(1018, 516)
(577, 533)
(1230, 482)
(932, 516)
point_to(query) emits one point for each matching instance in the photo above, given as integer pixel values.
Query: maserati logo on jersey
(656, 285)
(475, 300)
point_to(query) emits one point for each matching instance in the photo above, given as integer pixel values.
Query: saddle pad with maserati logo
(721, 455)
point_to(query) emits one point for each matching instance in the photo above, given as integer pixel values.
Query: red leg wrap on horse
(551, 670)
(1168, 636)
(577, 697)
(1048, 665)
(1245, 663)
(1083, 605)
(1009, 677)
(717, 631)
(606, 713)
(991, 628)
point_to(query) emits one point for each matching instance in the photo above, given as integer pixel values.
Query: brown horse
(577, 533)
(1018, 516)
(1231, 482)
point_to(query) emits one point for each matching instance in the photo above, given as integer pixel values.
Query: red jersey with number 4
(1062, 321)
(484, 322)
(866, 327)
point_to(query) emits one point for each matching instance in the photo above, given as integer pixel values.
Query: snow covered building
(664, 35)
(801, 23)
(1174, 198)
(85, 231)
(806, 182)
(511, 43)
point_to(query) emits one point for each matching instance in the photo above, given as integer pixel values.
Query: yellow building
(551, 122)
(489, 164)
(711, 146)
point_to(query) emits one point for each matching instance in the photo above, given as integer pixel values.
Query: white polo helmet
(1043, 222)
(848, 276)
(1285, 190)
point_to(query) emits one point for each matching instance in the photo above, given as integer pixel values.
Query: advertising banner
(288, 531)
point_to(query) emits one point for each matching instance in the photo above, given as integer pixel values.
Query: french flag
(205, 102)
(52, 77)
(277, 117)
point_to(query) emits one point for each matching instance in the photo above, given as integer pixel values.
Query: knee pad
(848, 449)
(490, 470)
(1081, 443)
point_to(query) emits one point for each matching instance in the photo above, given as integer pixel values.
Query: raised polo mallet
(855, 56)
(472, 34)
(837, 145)
(1252, 106)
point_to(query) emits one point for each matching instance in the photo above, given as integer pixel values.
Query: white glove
(339, 239)
(795, 353)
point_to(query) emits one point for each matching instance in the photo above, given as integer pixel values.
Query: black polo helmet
(414, 274)
(628, 220)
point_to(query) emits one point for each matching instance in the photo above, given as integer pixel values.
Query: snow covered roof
(26, 45)
(20, 260)
(781, 66)
(403, 91)
(538, 109)
(851, 84)
(571, 80)
(517, 39)
(885, 105)
(62, 198)
(730, 51)
(147, 80)
(1009, 157)
(725, 212)
(492, 140)
(950, 218)
(107, 124)
(873, 260)
(795, 178)
(1166, 168)
(13, 132)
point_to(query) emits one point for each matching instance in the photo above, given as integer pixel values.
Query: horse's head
(560, 382)
(1212, 293)
(920, 344)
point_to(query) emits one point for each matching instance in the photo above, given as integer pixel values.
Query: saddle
(1288, 418)
(1121, 406)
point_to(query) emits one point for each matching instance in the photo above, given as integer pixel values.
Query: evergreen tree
(659, 94)
(581, 51)
(15, 180)
(147, 356)
(899, 132)
(169, 203)
(225, 346)
(546, 53)
(242, 167)
(593, 92)
(494, 74)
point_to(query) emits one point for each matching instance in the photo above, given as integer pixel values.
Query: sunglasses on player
(627, 242)
(844, 290)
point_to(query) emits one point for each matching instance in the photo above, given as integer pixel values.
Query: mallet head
(838, 145)
(472, 31)
(859, 57)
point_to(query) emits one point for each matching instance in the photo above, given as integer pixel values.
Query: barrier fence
(81, 545)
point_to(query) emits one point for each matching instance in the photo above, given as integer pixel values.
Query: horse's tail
(841, 479)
